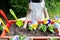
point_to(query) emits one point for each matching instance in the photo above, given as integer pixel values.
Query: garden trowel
(19, 23)
(5, 27)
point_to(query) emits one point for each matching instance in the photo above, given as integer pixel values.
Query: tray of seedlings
(46, 27)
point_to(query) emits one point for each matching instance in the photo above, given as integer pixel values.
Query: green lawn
(52, 15)
(54, 12)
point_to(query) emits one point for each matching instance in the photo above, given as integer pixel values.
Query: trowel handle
(12, 12)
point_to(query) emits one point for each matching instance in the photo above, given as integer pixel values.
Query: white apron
(37, 12)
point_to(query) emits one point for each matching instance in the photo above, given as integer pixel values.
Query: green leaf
(22, 37)
(52, 39)
(30, 27)
(43, 28)
(1, 28)
(51, 28)
(10, 39)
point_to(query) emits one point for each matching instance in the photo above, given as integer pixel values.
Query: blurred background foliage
(20, 7)
(53, 7)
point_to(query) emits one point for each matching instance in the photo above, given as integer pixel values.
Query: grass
(54, 12)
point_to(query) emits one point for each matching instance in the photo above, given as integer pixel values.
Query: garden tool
(8, 22)
(5, 27)
(3, 14)
(19, 23)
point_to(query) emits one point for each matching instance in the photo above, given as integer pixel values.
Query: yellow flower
(45, 21)
(34, 26)
(55, 20)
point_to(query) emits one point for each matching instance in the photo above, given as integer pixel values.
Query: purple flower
(27, 39)
(33, 22)
(49, 21)
(15, 37)
(56, 17)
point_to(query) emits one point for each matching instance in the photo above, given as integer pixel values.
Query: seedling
(33, 25)
(28, 39)
(42, 27)
(52, 39)
(5, 27)
(51, 28)
(16, 37)
(20, 37)
(19, 23)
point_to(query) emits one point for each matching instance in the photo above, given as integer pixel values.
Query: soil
(14, 30)
(3, 39)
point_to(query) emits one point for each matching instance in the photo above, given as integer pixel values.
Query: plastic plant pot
(9, 22)
(40, 39)
(33, 38)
